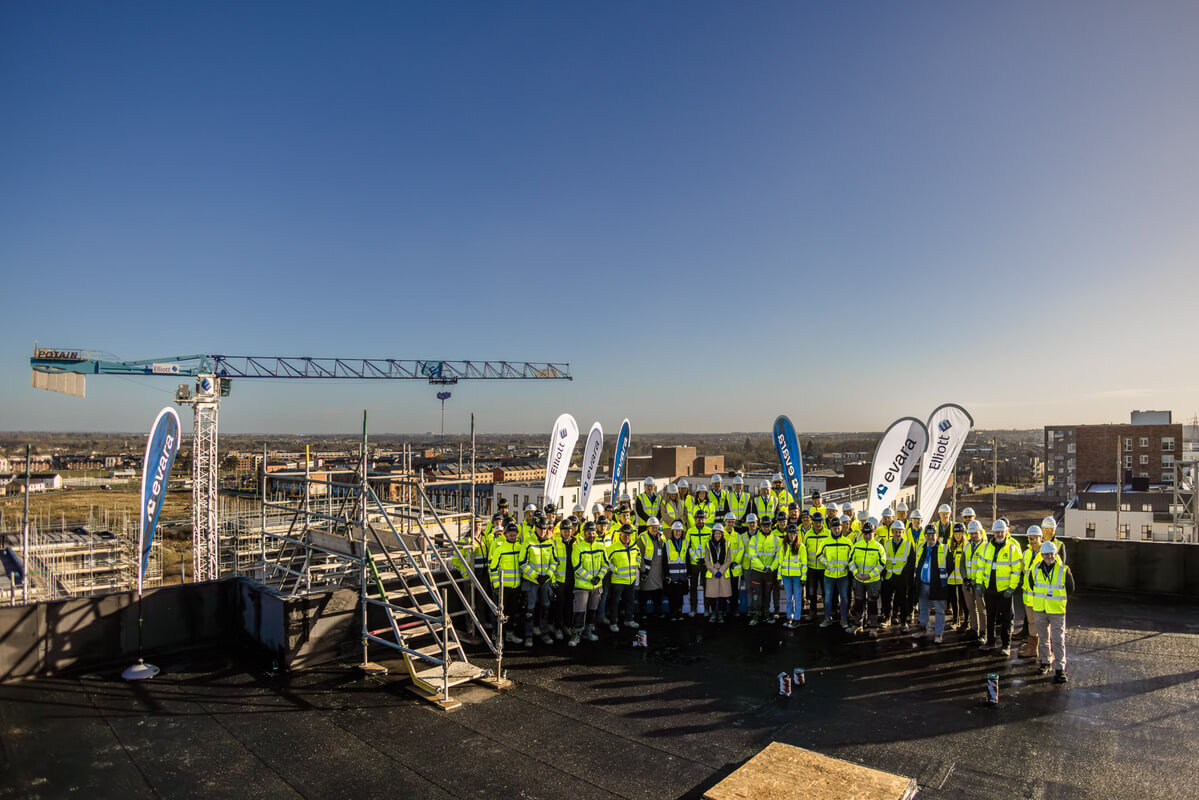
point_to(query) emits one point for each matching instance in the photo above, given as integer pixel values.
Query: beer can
(993, 688)
(784, 684)
(642, 639)
(797, 678)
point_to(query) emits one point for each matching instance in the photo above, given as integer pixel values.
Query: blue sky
(701, 206)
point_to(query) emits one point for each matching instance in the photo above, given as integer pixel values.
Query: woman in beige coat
(718, 587)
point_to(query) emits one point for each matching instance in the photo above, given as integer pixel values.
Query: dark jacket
(938, 573)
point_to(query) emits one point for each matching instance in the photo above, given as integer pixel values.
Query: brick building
(673, 461)
(1077, 455)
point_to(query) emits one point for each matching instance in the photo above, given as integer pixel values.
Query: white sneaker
(536, 630)
(614, 628)
(937, 639)
(632, 624)
(528, 641)
(918, 635)
(547, 639)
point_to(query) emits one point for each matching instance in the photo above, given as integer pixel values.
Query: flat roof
(666, 721)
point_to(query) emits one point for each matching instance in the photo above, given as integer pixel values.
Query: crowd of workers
(765, 558)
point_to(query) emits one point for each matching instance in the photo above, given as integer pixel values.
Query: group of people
(763, 557)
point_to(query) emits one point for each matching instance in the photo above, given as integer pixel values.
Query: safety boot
(1030, 647)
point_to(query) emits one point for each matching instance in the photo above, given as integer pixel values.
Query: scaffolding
(400, 558)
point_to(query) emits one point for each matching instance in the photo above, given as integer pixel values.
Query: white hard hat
(737, 481)
(653, 521)
(901, 507)
(751, 518)
(730, 515)
(699, 487)
(778, 476)
(716, 478)
(916, 514)
(718, 526)
(683, 483)
(944, 509)
(578, 509)
(999, 526)
(974, 526)
(1034, 530)
(1049, 547)
(968, 512)
(530, 507)
(1049, 522)
(887, 512)
(864, 515)
(676, 526)
(624, 498)
(650, 482)
(672, 488)
(764, 484)
(596, 508)
(896, 525)
(873, 522)
(844, 520)
(847, 507)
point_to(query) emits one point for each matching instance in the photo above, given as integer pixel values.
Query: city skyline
(846, 215)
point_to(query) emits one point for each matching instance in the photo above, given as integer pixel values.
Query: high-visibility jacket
(609, 534)
(590, 563)
(915, 533)
(813, 542)
(624, 561)
(689, 510)
(974, 551)
(941, 561)
(697, 543)
(736, 551)
(944, 531)
(763, 550)
(715, 504)
(789, 564)
(672, 510)
(1029, 559)
(677, 555)
(762, 506)
(1049, 592)
(710, 507)
(475, 552)
(869, 558)
(645, 507)
(897, 555)
(957, 564)
(1061, 547)
(834, 556)
(782, 498)
(746, 556)
(504, 564)
(563, 556)
(527, 529)
(1005, 561)
(737, 504)
(537, 560)
(821, 508)
(649, 547)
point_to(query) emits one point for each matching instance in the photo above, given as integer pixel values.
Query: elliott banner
(790, 462)
(894, 459)
(557, 463)
(591, 457)
(949, 426)
(618, 461)
(160, 456)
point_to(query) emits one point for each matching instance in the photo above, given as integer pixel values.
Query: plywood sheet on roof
(783, 772)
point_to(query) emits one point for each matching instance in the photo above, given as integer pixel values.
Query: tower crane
(65, 371)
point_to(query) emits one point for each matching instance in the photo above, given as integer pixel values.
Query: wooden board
(783, 772)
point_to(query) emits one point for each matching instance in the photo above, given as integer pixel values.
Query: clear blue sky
(701, 206)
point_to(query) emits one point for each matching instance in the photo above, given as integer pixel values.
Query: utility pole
(1119, 487)
(25, 532)
(994, 479)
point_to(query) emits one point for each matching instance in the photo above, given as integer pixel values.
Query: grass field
(76, 504)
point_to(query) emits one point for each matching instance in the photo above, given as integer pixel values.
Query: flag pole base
(139, 671)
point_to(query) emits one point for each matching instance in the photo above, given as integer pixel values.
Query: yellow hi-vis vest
(676, 558)
(624, 561)
(737, 505)
(834, 555)
(736, 551)
(897, 555)
(815, 540)
(644, 508)
(589, 562)
(1007, 562)
(1049, 593)
(869, 558)
(763, 549)
(537, 559)
(789, 564)
(1030, 558)
(649, 547)
(671, 511)
(782, 499)
(957, 557)
(561, 562)
(697, 543)
(974, 552)
(504, 564)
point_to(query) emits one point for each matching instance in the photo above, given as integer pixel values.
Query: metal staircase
(412, 601)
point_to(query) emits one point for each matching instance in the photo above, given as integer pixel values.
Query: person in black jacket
(930, 578)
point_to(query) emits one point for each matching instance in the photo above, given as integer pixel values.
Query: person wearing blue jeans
(834, 558)
(931, 578)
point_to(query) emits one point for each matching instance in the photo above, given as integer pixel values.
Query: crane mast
(65, 371)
